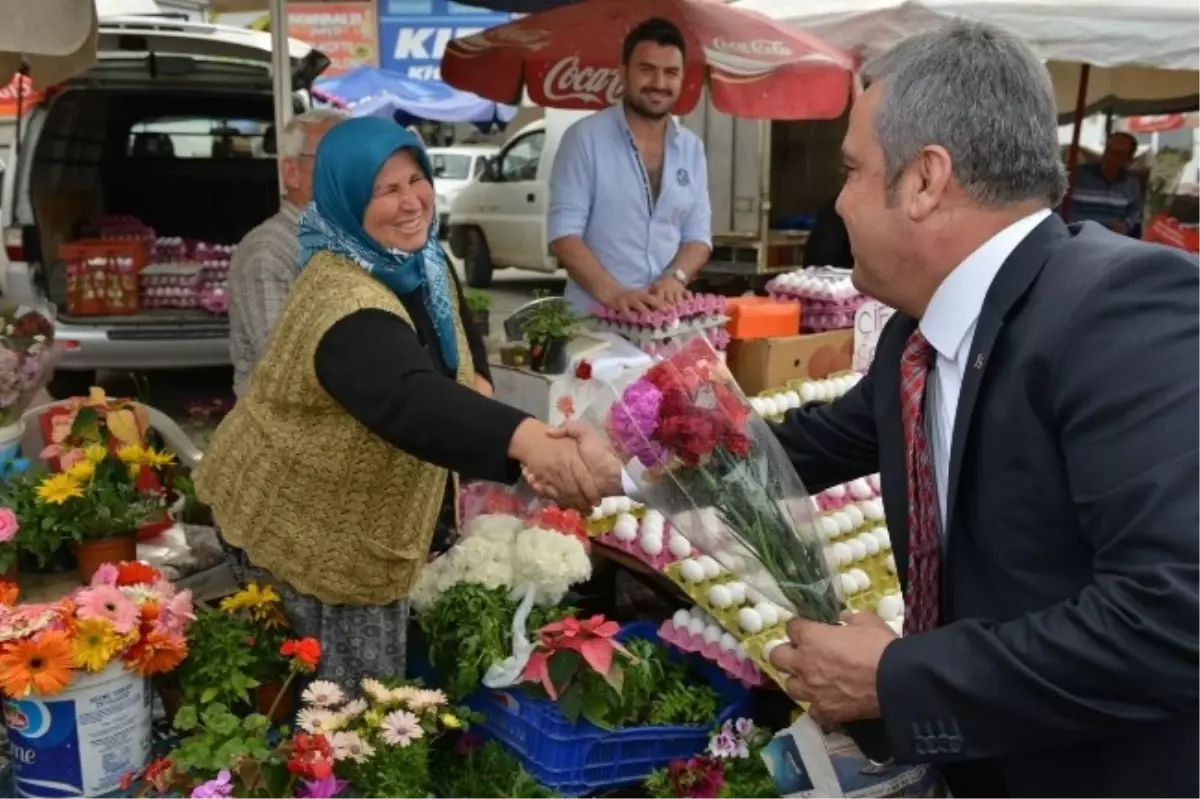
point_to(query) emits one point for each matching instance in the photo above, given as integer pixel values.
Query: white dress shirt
(949, 326)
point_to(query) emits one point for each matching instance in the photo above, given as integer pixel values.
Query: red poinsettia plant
(575, 664)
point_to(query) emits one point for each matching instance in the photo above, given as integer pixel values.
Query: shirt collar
(618, 112)
(289, 211)
(958, 301)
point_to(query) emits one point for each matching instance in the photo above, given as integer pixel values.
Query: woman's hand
(561, 472)
(484, 387)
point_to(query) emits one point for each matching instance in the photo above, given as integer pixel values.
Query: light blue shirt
(599, 190)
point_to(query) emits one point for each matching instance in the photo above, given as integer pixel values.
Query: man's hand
(634, 301)
(561, 472)
(670, 289)
(835, 667)
(601, 463)
(483, 386)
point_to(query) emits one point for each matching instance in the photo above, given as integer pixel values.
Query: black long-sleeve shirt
(391, 377)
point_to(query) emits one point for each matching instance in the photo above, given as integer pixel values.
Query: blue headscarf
(348, 160)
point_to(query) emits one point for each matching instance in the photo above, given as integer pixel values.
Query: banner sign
(8, 96)
(413, 34)
(346, 32)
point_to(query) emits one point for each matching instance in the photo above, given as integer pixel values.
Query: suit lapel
(1012, 282)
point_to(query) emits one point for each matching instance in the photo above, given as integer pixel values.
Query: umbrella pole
(281, 74)
(1085, 72)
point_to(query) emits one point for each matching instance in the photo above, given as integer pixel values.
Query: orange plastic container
(102, 275)
(762, 317)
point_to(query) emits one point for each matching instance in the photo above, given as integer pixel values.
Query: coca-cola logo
(568, 80)
(756, 47)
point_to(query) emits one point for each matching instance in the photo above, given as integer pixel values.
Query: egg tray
(604, 524)
(677, 328)
(795, 385)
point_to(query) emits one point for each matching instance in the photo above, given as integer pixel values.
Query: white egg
(696, 627)
(710, 566)
(625, 528)
(862, 578)
(872, 509)
(739, 652)
(734, 563)
(828, 528)
(831, 558)
(691, 571)
(753, 596)
(681, 618)
(842, 553)
(653, 520)
(756, 405)
(768, 612)
(823, 393)
(880, 534)
(844, 525)
(845, 383)
(860, 489)
(772, 645)
(608, 506)
(652, 545)
(836, 492)
(808, 393)
(855, 514)
(720, 597)
(857, 550)
(698, 612)
(750, 621)
(597, 512)
(713, 633)
(890, 607)
(891, 563)
(793, 399)
(874, 482)
(679, 546)
(785, 615)
(625, 504)
(849, 585)
(737, 590)
(728, 642)
(773, 407)
(868, 541)
(897, 626)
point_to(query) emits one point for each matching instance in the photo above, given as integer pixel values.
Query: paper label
(869, 321)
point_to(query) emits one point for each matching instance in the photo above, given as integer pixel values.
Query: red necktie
(924, 527)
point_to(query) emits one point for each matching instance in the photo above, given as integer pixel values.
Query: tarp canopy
(1144, 55)
(372, 91)
(511, 6)
(57, 38)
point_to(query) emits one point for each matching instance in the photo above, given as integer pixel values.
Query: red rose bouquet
(689, 439)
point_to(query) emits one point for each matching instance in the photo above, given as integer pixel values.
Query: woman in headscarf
(331, 475)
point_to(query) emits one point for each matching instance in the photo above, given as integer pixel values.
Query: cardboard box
(769, 363)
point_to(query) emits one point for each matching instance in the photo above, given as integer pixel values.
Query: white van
(499, 220)
(156, 130)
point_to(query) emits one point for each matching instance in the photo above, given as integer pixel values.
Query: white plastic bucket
(82, 741)
(10, 443)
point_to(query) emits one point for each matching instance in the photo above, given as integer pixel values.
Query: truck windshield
(451, 166)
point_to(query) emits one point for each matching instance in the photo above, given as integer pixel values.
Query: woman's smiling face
(401, 208)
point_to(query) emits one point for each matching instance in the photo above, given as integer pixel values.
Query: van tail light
(14, 244)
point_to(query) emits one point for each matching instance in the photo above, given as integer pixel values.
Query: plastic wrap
(700, 455)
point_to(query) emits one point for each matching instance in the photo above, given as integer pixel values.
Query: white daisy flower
(323, 693)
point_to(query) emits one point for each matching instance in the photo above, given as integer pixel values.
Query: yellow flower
(257, 599)
(95, 453)
(95, 644)
(82, 471)
(131, 454)
(373, 718)
(451, 721)
(58, 488)
(158, 460)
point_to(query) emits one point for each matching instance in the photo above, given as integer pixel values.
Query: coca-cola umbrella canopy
(570, 57)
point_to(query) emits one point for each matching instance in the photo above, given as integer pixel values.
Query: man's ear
(934, 172)
(290, 171)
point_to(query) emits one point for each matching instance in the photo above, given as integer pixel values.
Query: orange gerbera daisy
(135, 573)
(9, 593)
(43, 665)
(156, 653)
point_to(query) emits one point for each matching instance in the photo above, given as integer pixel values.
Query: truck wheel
(477, 262)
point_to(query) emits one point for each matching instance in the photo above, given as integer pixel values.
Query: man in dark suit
(1032, 409)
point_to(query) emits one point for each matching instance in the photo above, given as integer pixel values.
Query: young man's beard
(634, 104)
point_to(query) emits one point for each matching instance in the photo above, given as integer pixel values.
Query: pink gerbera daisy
(105, 575)
(107, 602)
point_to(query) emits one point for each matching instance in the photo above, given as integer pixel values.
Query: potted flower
(548, 328)
(26, 361)
(479, 303)
(42, 530)
(235, 657)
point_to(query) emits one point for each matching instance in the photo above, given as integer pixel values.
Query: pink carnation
(8, 525)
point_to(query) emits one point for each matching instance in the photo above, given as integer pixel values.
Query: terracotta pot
(91, 555)
(10, 574)
(264, 697)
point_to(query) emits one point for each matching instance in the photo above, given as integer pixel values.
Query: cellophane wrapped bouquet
(689, 439)
(27, 356)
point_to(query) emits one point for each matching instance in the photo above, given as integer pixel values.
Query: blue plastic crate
(578, 759)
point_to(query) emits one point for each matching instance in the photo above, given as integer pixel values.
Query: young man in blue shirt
(629, 216)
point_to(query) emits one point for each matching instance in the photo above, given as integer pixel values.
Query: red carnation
(583, 370)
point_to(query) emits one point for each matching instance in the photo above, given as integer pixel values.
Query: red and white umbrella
(570, 57)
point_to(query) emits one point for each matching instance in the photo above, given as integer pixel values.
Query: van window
(452, 166)
(520, 161)
(204, 137)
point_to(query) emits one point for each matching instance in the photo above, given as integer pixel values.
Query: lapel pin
(979, 362)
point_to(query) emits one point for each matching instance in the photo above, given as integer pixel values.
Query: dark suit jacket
(1066, 663)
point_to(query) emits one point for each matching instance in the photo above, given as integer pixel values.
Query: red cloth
(924, 527)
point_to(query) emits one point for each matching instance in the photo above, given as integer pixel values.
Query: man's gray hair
(291, 144)
(982, 94)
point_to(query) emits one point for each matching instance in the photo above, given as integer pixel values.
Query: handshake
(571, 466)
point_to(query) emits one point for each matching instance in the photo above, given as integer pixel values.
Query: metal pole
(281, 73)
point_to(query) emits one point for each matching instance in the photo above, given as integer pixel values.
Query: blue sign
(413, 34)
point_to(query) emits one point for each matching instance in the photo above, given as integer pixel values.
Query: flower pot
(482, 322)
(10, 443)
(264, 698)
(91, 555)
(11, 574)
(549, 357)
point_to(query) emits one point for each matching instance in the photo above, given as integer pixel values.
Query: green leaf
(563, 666)
(595, 709)
(570, 703)
(185, 719)
(208, 695)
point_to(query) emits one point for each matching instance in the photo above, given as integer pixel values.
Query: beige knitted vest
(311, 495)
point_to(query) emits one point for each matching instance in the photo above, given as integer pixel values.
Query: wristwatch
(681, 276)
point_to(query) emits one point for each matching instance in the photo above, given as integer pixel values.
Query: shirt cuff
(629, 487)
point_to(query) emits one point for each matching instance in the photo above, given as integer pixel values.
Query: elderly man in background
(264, 263)
(1106, 192)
